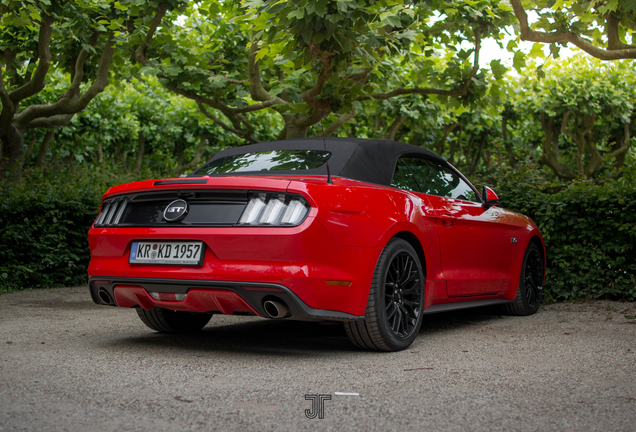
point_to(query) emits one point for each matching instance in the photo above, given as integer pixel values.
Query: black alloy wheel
(530, 289)
(402, 295)
(396, 299)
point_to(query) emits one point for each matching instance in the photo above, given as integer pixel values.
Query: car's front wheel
(530, 288)
(169, 321)
(394, 311)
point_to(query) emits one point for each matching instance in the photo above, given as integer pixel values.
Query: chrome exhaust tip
(275, 309)
(105, 297)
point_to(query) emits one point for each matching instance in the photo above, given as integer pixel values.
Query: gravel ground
(67, 364)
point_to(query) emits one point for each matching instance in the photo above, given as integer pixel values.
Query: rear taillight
(111, 213)
(273, 209)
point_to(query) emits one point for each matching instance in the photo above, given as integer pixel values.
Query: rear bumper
(304, 261)
(227, 297)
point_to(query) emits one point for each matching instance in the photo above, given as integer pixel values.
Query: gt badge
(175, 211)
(513, 240)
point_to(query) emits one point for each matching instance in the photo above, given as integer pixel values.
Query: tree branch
(254, 73)
(255, 107)
(564, 126)
(257, 91)
(613, 40)
(439, 147)
(36, 83)
(70, 102)
(230, 80)
(8, 107)
(590, 126)
(44, 147)
(624, 147)
(393, 128)
(340, 121)
(29, 149)
(235, 117)
(248, 125)
(49, 122)
(197, 156)
(550, 155)
(217, 121)
(528, 34)
(460, 91)
(140, 52)
(309, 96)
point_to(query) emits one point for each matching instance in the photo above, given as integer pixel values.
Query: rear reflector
(168, 296)
(338, 283)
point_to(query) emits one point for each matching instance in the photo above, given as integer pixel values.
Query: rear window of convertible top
(274, 160)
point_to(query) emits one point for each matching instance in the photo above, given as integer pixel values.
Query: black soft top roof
(367, 160)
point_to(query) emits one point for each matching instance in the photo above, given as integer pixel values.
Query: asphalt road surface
(67, 364)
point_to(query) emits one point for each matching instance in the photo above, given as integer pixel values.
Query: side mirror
(490, 197)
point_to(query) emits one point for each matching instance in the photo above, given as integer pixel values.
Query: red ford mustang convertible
(371, 233)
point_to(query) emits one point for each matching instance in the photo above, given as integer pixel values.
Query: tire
(530, 289)
(169, 321)
(396, 299)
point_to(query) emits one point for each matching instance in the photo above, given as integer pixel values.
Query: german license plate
(174, 252)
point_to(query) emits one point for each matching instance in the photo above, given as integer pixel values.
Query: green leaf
(298, 13)
(393, 21)
(537, 50)
(498, 69)
(149, 70)
(321, 7)
(519, 61)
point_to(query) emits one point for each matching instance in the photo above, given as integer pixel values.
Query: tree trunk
(488, 157)
(12, 149)
(467, 150)
(203, 139)
(456, 146)
(478, 153)
(120, 153)
(378, 123)
(141, 143)
(618, 143)
(453, 145)
(100, 153)
(69, 160)
(29, 150)
(578, 136)
(551, 154)
(439, 146)
(292, 131)
(180, 153)
(44, 148)
(393, 128)
(507, 145)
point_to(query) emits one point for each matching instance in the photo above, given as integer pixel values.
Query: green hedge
(589, 230)
(43, 226)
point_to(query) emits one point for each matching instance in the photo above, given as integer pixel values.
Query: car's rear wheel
(169, 321)
(530, 289)
(394, 311)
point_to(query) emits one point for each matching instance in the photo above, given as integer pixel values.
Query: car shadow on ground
(293, 338)
(257, 336)
(455, 320)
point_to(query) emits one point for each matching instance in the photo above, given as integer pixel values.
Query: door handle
(448, 219)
